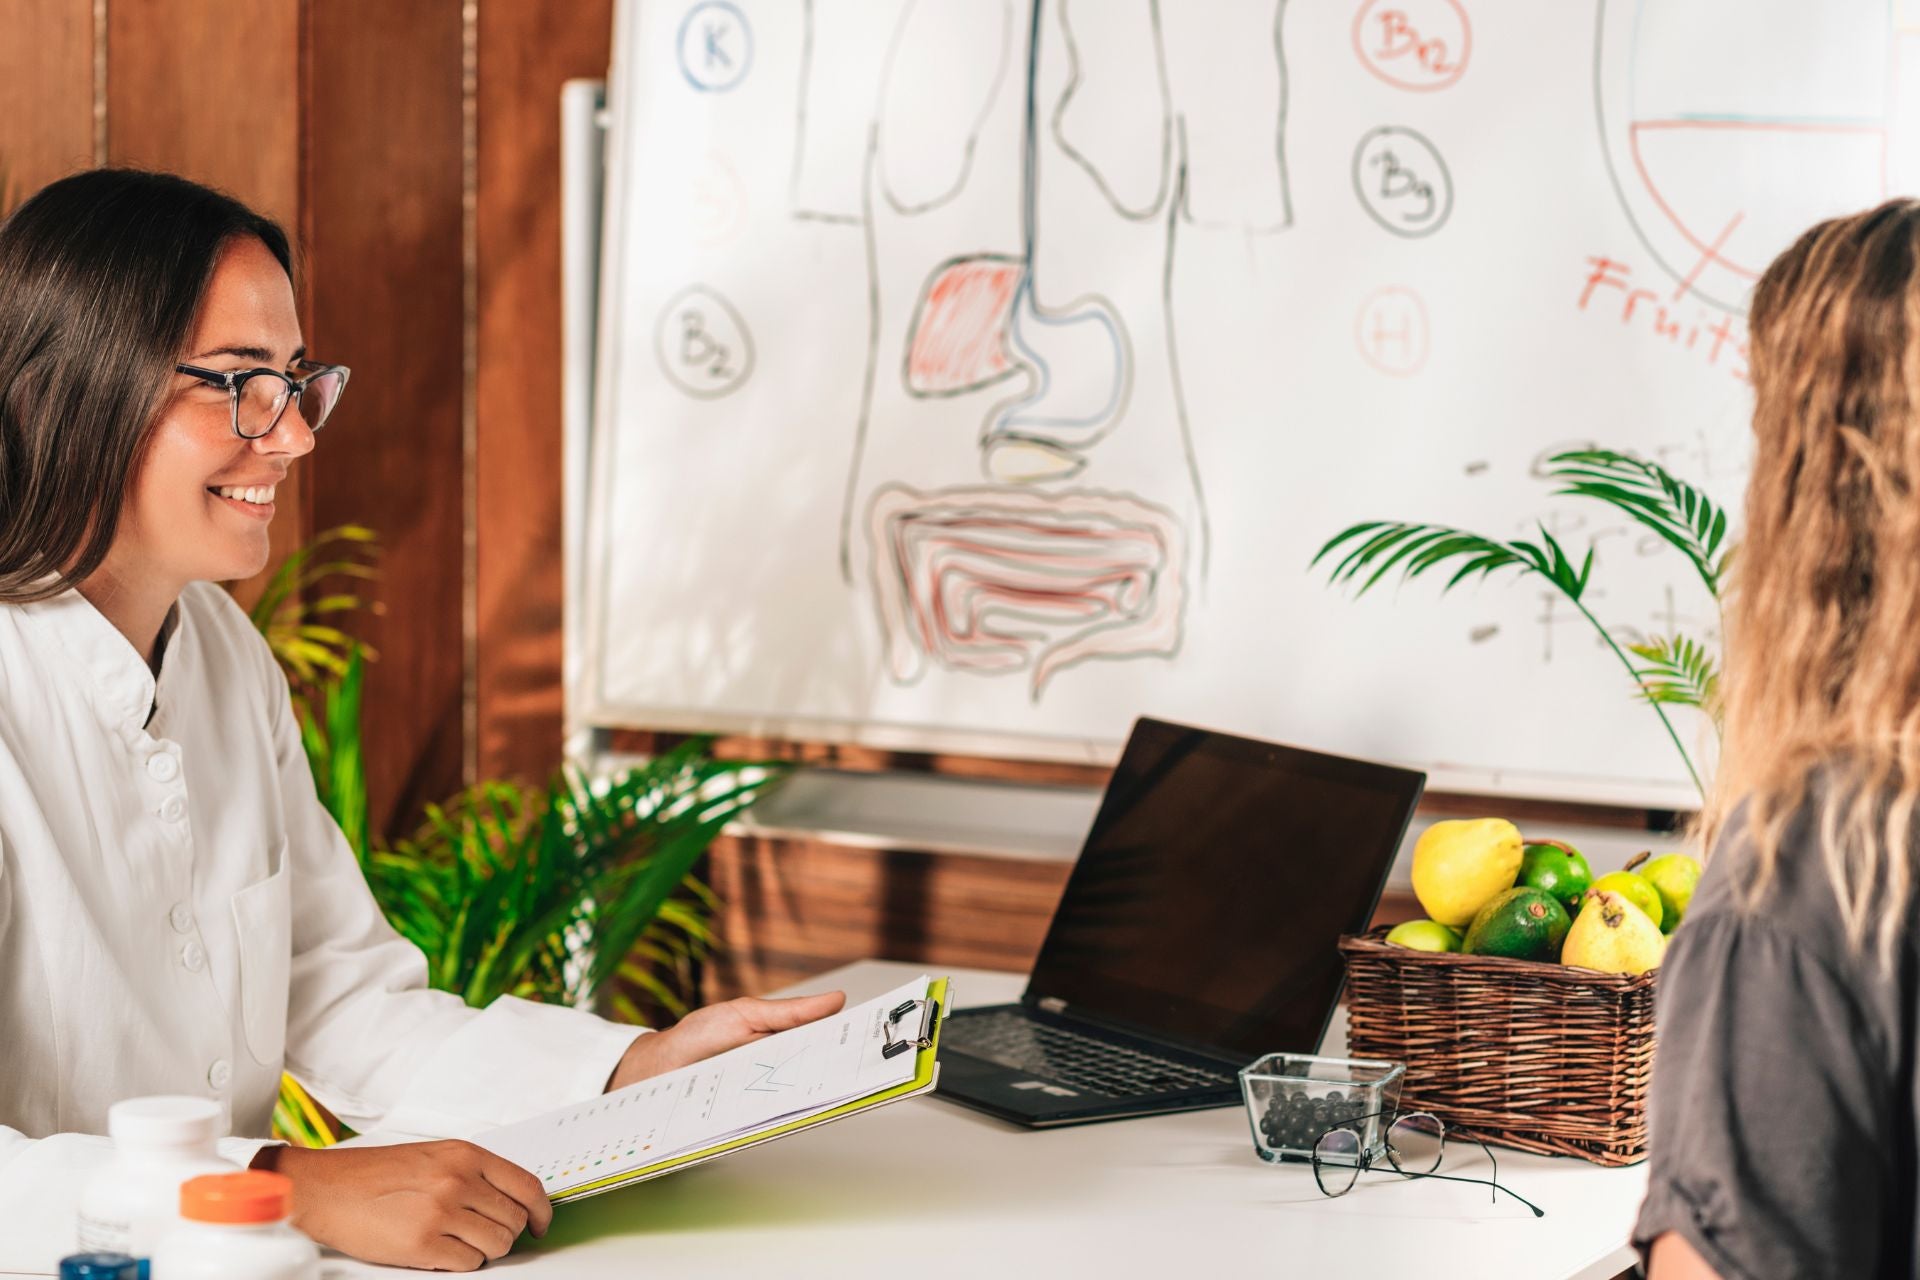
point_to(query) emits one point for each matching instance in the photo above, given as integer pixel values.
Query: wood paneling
(46, 93)
(792, 908)
(212, 96)
(526, 52)
(383, 226)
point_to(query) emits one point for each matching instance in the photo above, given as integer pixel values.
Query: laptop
(1198, 931)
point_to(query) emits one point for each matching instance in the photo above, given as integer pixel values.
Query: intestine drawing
(1021, 264)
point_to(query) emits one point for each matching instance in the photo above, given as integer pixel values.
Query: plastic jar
(158, 1143)
(234, 1227)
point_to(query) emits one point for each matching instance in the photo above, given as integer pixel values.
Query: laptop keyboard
(1073, 1058)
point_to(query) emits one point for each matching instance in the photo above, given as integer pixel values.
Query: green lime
(1521, 924)
(1558, 868)
(1424, 935)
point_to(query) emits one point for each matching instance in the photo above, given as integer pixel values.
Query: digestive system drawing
(1024, 493)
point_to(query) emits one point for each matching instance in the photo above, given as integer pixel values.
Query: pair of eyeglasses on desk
(1413, 1146)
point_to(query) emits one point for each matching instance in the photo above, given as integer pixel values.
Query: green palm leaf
(332, 741)
(1376, 547)
(1677, 670)
(1653, 497)
(551, 893)
(309, 649)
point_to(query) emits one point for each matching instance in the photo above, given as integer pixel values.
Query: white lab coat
(179, 914)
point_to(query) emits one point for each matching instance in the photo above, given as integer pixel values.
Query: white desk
(926, 1188)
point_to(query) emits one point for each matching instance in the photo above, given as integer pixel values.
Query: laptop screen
(1215, 884)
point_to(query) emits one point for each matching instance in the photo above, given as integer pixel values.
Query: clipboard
(912, 1026)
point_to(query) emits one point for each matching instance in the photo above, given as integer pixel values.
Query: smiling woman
(178, 912)
(90, 389)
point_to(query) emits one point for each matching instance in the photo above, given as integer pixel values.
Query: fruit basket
(1541, 1057)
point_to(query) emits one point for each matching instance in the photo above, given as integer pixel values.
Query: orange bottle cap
(254, 1195)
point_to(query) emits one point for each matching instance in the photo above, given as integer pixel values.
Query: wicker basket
(1535, 1056)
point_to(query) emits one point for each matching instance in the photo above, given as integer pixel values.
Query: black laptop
(1197, 932)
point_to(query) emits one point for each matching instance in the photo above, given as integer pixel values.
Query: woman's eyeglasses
(1413, 1147)
(261, 396)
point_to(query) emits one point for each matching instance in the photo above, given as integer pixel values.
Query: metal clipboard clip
(923, 1039)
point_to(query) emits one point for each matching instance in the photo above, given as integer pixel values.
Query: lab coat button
(162, 767)
(194, 957)
(174, 809)
(220, 1074)
(181, 918)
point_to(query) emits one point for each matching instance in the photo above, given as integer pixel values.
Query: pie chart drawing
(1731, 126)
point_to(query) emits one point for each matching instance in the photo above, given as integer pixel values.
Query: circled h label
(1392, 331)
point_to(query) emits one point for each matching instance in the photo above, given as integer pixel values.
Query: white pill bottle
(158, 1143)
(234, 1227)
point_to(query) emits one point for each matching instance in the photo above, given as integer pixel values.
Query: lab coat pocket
(262, 918)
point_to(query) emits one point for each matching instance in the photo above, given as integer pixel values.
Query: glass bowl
(1292, 1099)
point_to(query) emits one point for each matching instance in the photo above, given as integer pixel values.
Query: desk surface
(926, 1188)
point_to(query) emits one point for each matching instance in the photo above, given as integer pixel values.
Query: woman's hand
(717, 1028)
(448, 1206)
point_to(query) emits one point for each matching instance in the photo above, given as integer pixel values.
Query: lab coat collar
(123, 687)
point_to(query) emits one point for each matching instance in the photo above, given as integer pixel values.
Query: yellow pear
(1613, 936)
(1459, 865)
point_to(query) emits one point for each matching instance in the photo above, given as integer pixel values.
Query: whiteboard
(978, 375)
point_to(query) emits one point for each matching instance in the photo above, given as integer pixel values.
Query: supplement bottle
(234, 1227)
(158, 1143)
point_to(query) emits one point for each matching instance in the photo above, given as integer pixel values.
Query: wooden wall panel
(384, 171)
(46, 93)
(526, 52)
(213, 94)
(794, 908)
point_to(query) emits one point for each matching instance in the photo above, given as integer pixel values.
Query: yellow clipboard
(926, 1073)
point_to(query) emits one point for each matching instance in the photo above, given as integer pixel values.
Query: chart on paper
(806, 1070)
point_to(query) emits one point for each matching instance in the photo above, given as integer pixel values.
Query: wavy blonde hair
(1823, 610)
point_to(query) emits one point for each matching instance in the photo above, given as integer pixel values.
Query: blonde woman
(1784, 1099)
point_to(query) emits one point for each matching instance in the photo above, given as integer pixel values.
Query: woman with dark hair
(178, 913)
(1785, 1096)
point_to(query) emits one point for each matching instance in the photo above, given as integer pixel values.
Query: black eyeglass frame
(1364, 1159)
(235, 380)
